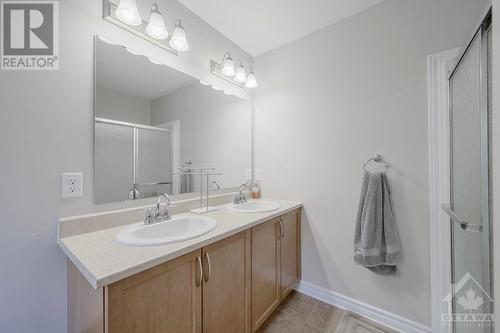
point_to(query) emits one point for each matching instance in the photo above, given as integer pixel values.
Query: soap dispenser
(256, 191)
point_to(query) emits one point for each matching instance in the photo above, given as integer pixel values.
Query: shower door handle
(467, 226)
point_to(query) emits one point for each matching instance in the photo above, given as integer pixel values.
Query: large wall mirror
(156, 128)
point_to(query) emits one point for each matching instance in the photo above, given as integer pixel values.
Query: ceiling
(260, 26)
(120, 71)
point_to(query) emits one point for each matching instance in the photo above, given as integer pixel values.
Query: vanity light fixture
(127, 12)
(156, 26)
(227, 72)
(251, 81)
(228, 65)
(178, 40)
(241, 74)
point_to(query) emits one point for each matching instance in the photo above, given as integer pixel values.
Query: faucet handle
(239, 198)
(149, 215)
(236, 199)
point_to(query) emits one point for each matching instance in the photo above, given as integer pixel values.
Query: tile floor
(299, 313)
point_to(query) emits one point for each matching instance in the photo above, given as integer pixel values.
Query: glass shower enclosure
(470, 301)
(132, 161)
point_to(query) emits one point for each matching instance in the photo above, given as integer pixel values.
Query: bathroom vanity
(228, 269)
(228, 280)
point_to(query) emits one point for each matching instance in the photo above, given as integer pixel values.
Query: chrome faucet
(134, 193)
(160, 215)
(240, 198)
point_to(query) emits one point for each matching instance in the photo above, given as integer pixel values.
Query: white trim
(438, 66)
(375, 314)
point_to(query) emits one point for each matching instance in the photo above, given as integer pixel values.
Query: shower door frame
(440, 65)
(480, 35)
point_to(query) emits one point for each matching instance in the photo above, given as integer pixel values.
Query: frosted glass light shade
(228, 66)
(156, 26)
(127, 12)
(178, 41)
(241, 74)
(251, 81)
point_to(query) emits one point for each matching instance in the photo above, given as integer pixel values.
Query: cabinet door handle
(282, 228)
(200, 277)
(207, 276)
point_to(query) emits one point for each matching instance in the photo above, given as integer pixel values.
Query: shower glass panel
(114, 145)
(469, 207)
(154, 162)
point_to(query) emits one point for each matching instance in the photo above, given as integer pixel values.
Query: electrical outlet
(72, 185)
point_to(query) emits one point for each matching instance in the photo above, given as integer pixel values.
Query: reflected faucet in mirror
(134, 194)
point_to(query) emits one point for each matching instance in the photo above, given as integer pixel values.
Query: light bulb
(156, 26)
(127, 12)
(228, 65)
(241, 74)
(251, 81)
(204, 83)
(216, 88)
(178, 40)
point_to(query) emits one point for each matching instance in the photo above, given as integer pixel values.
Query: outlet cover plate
(72, 185)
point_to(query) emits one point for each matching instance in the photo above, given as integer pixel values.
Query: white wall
(336, 97)
(118, 106)
(215, 130)
(46, 128)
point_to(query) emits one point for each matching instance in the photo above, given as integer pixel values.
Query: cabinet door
(163, 299)
(226, 286)
(265, 272)
(289, 252)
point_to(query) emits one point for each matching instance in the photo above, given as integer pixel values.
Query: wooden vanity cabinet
(168, 298)
(232, 285)
(290, 270)
(163, 299)
(265, 271)
(275, 264)
(226, 285)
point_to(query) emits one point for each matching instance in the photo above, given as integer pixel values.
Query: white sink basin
(171, 231)
(257, 206)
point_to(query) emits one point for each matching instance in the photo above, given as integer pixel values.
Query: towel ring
(376, 158)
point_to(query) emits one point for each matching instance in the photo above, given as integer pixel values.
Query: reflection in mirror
(155, 127)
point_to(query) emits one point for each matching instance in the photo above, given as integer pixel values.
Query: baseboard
(380, 316)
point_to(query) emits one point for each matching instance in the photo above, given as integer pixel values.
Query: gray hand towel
(376, 240)
(186, 182)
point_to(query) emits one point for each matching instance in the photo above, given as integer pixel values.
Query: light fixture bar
(108, 14)
(216, 69)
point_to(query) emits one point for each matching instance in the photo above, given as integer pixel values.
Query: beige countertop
(102, 260)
